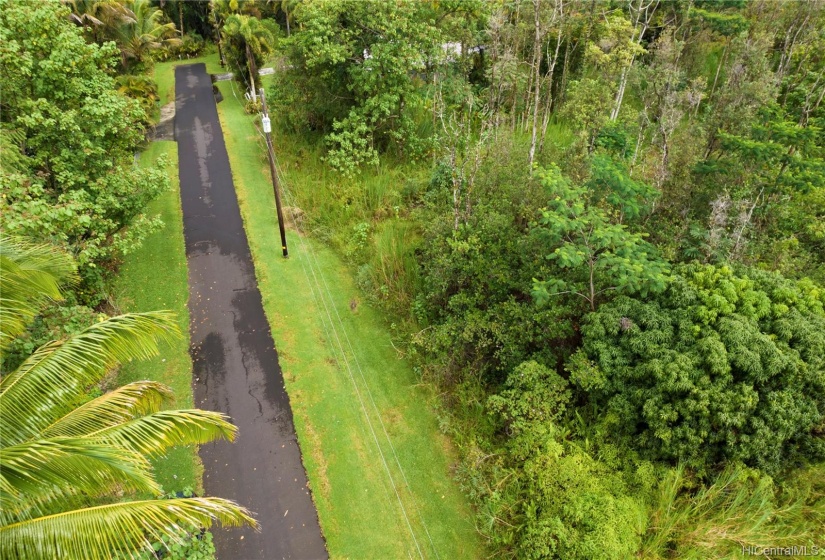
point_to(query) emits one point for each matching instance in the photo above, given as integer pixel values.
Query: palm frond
(155, 433)
(114, 408)
(36, 471)
(34, 395)
(30, 274)
(103, 531)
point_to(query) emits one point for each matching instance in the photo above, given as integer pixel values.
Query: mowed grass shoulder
(151, 278)
(378, 465)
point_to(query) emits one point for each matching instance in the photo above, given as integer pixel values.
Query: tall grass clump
(740, 508)
(391, 272)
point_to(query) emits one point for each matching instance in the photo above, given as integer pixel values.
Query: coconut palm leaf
(34, 395)
(100, 532)
(100, 17)
(155, 433)
(36, 471)
(59, 455)
(145, 33)
(113, 408)
(30, 274)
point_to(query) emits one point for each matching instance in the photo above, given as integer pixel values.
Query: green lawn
(359, 411)
(155, 277)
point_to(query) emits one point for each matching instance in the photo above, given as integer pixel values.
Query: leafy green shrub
(547, 498)
(719, 367)
(573, 508)
(357, 82)
(351, 144)
(143, 89)
(190, 46)
(75, 181)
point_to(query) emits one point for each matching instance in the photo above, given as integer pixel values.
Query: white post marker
(267, 124)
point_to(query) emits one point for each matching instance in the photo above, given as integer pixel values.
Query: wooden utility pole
(267, 130)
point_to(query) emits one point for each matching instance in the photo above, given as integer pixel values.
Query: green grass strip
(155, 277)
(358, 506)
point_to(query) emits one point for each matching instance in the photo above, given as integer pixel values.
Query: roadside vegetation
(98, 453)
(139, 287)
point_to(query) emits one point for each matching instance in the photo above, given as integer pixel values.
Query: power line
(337, 338)
(363, 377)
(307, 250)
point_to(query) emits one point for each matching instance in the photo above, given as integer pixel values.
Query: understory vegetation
(596, 229)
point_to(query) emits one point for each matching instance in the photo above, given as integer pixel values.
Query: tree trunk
(551, 68)
(592, 287)
(252, 72)
(719, 69)
(642, 128)
(648, 15)
(617, 105)
(286, 13)
(180, 16)
(536, 76)
(742, 226)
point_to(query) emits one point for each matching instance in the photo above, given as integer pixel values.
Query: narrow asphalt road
(236, 367)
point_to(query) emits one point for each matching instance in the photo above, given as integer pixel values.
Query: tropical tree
(146, 33)
(100, 18)
(288, 7)
(247, 41)
(596, 255)
(63, 456)
(356, 66)
(718, 367)
(69, 143)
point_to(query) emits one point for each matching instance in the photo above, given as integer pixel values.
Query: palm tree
(248, 38)
(62, 460)
(287, 7)
(30, 274)
(100, 18)
(138, 38)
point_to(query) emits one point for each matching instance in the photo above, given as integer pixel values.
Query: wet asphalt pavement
(236, 367)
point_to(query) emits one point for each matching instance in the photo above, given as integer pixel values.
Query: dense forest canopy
(597, 228)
